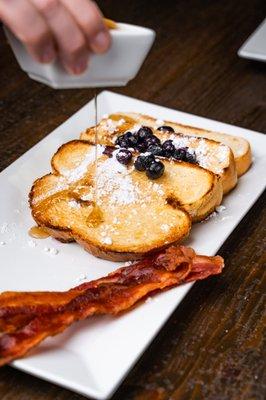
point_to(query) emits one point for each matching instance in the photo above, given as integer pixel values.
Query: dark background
(213, 347)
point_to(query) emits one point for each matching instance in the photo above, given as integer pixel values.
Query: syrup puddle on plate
(38, 232)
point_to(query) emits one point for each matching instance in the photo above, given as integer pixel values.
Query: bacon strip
(27, 318)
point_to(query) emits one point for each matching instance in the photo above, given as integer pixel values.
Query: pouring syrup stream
(96, 141)
(96, 216)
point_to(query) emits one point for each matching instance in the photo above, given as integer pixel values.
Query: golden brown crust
(229, 176)
(244, 162)
(50, 211)
(67, 236)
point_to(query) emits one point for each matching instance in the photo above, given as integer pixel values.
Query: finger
(90, 20)
(71, 43)
(27, 24)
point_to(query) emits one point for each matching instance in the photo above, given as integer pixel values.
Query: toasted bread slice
(210, 154)
(134, 215)
(240, 147)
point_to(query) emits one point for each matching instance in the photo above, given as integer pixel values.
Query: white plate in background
(255, 46)
(92, 357)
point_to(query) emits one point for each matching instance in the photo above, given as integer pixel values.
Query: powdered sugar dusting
(112, 125)
(159, 122)
(87, 197)
(32, 243)
(209, 157)
(114, 181)
(73, 204)
(217, 215)
(51, 251)
(157, 188)
(107, 240)
(165, 227)
(75, 174)
(220, 208)
(136, 127)
(4, 227)
(71, 175)
(61, 185)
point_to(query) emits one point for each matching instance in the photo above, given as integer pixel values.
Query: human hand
(65, 29)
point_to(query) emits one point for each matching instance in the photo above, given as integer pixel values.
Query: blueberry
(165, 128)
(148, 160)
(168, 148)
(180, 154)
(144, 132)
(141, 147)
(121, 141)
(155, 149)
(143, 162)
(191, 157)
(127, 135)
(124, 156)
(118, 140)
(152, 140)
(140, 164)
(131, 140)
(127, 140)
(155, 170)
(124, 144)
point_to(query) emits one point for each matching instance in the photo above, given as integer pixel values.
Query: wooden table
(212, 347)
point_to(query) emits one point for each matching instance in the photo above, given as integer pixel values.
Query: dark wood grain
(213, 346)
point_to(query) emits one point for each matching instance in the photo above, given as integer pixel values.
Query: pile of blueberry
(144, 141)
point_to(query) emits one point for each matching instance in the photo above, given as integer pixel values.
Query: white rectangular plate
(255, 46)
(94, 356)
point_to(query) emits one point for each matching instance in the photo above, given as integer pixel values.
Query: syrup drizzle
(37, 232)
(96, 142)
(95, 217)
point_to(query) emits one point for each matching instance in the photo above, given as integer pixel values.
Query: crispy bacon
(27, 318)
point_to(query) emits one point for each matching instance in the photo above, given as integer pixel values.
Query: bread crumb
(148, 300)
(128, 263)
(51, 250)
(220, 209)
(4, 228)
(81, 278)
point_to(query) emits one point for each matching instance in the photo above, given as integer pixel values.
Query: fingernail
(48, 54)
(100, 42)
(80, 65)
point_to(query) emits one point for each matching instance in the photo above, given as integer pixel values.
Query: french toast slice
(210, 154)
(134, 215)
(240, 147)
